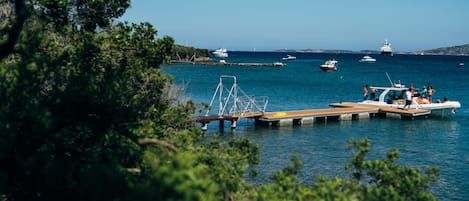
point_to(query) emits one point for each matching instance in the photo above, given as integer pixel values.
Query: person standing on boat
(424, 92)
(408, 99)
(430, 92)
(365, 92)
(372, 93)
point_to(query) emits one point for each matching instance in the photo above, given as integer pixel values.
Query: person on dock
(408, 99)
(365, 92)
(430, 93)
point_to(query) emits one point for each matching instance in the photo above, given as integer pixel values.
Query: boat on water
(386, 48)
(289, 57)
(329, 65)
(279, 64)
(394, 96)
(221, 52)
(367, 59)
(461, 64)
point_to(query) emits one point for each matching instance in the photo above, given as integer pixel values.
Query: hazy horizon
(262, 25)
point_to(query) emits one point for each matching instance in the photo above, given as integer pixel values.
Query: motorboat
(279, 64)
(386, 48)
(329, 65)
(289, 57)
(394, 96)
(367, 59)
(221, 52)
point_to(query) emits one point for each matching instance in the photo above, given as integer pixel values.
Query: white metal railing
(234, 100)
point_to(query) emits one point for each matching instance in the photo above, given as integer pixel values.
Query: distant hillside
(454, 50)
(187, 53)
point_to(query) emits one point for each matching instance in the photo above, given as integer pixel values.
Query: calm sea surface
(322, 147)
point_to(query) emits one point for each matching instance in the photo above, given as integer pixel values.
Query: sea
(442, 142)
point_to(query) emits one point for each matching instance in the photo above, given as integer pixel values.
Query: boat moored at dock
(394, 97)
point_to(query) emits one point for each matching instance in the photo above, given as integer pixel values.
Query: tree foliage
(185, 52)
(87, 114)
(366, 180)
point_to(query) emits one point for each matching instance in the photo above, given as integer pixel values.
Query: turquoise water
(322, 147)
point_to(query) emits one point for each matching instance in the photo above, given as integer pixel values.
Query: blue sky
(409, 25)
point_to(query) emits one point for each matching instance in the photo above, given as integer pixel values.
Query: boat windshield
(390, 94)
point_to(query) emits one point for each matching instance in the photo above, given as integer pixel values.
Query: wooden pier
(341, 112)
(243, 64)
(300, 117)
(234, 104)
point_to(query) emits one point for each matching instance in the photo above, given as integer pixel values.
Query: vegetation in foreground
(87, 114)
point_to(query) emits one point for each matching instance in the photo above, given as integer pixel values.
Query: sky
(263, 25)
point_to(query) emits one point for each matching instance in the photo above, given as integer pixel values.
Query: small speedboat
(329, 65)
(367, 59)
(279, 64)
(289, 57)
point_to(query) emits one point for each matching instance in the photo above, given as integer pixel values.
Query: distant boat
(367, 59)
(289, 57)
(329, 65)
(461, 64)
(279, 64)
(221, 52)
(386, 48)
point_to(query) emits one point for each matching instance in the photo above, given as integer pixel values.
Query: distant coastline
(462, 50)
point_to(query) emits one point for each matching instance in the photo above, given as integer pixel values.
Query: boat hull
(386, 53)
(437, 110)
(328, 68)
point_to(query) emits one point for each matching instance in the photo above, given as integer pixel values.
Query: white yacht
(329, 65)
(367, 59)
(386, 48)
(394, 96)
(289, 57)
(221, 52)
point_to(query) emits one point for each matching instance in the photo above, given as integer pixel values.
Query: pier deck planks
(270, 116)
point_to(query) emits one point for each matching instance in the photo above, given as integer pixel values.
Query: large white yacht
(221, 52)
(386, 48)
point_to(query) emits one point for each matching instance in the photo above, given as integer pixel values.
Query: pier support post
(307, 120)
(345, 117)
(204, 126)
(222, 124)
(286, 122)
(233, 123)
(363, 115)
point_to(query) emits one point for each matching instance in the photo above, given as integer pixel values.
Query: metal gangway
(233, 101)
